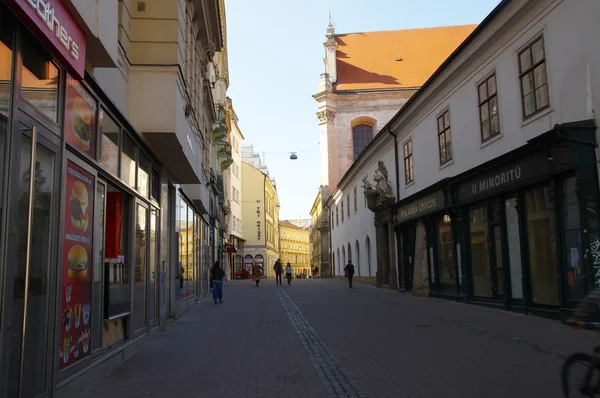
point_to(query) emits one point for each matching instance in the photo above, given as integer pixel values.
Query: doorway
(31, 267)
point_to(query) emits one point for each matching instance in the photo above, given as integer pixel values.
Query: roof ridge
(406, 30)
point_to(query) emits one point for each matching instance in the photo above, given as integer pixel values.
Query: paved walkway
(317, 338)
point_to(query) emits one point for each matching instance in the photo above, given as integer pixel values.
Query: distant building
(319, 248)
(260, 218)
(295, 247)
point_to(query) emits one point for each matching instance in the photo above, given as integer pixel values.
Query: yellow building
(295, 247)
(260, 218)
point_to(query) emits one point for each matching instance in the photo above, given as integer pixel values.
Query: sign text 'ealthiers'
(46, 13)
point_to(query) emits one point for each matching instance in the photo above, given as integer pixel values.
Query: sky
(275, 51)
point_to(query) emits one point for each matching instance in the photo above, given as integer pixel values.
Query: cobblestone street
(317, 338)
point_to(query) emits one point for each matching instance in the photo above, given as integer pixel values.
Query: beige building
(295, 247)
(260, 218)
(319, 248)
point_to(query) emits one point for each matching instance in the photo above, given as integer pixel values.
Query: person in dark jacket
(216, 281)
(278, 268)
(349, 270)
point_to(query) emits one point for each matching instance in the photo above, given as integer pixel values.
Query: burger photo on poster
(81, 119)
(79, 204)
(77, 259)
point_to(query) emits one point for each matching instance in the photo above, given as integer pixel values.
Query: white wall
(360, 225)
(569, 28)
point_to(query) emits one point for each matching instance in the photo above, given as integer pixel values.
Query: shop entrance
(31, 266)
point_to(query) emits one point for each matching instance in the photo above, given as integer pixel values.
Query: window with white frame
(444, 138)
(532, 74)
(355, 200)
(348, 205)
(488, 108)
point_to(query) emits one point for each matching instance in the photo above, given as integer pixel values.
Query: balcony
(224, 155)
(220, 125)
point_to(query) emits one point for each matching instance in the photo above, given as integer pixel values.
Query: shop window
(6, 60)
(141, 258)
(541, 236)
(39, 77)
(96, 336)
(488, 108)
(185, 226)
(117, 292)
(446, 255)
(128, 160)
(409, 175)
(155, 183)
(480, 254)
(572, 236)
(153, 262)
(514, 248)
(143, 175)
(444, 138)
(532, 74)
(110, 143)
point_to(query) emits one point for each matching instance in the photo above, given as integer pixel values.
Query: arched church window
(361, 136)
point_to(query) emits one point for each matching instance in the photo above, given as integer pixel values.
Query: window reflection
(542, 246)
(39, 78)
(6, 56)
(110, 143)
(572, 234)
(446, 261)
(480, 257)
(143, 181)
(128, 156)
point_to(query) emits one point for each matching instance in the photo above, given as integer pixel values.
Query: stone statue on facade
(383, 186)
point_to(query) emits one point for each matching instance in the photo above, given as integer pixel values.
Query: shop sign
(75, 322)
(504, 177)
(52, 19)
(80, 118)
(421, 207)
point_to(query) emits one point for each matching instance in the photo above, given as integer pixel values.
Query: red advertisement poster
(80, 118)
(76, 273)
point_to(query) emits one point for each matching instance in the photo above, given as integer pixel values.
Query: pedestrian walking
(216, 281)
(349, 270)
(278, 268)
(256, 272)
(288, 273)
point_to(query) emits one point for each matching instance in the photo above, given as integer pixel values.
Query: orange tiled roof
(367, 61)
(288, 224)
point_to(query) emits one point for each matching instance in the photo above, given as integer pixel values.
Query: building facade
(295, 247)
(319, 247)
(236, 233)
(368, 76)
(260, 217)
(496, 165)
(102, 179)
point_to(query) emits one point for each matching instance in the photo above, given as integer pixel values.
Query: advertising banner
(76, 275)
(80, 118)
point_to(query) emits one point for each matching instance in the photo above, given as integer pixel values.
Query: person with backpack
(278, 268)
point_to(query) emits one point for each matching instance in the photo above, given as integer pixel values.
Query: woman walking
(216, 281)
(256, 273)
(288, 273)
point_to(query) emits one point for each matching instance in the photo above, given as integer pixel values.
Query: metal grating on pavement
(335, 379)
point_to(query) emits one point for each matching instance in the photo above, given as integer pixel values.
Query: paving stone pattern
(317, 338)
(335, 379)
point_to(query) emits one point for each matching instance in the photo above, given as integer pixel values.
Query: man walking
(278, 268)
(349, 270)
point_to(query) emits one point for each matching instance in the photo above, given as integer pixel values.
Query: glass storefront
(446, 255)
(514, 248)
(480, 258)
(188, 229)
(572, 240)
(541, 237)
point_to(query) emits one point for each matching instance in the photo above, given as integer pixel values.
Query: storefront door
(31, 253)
